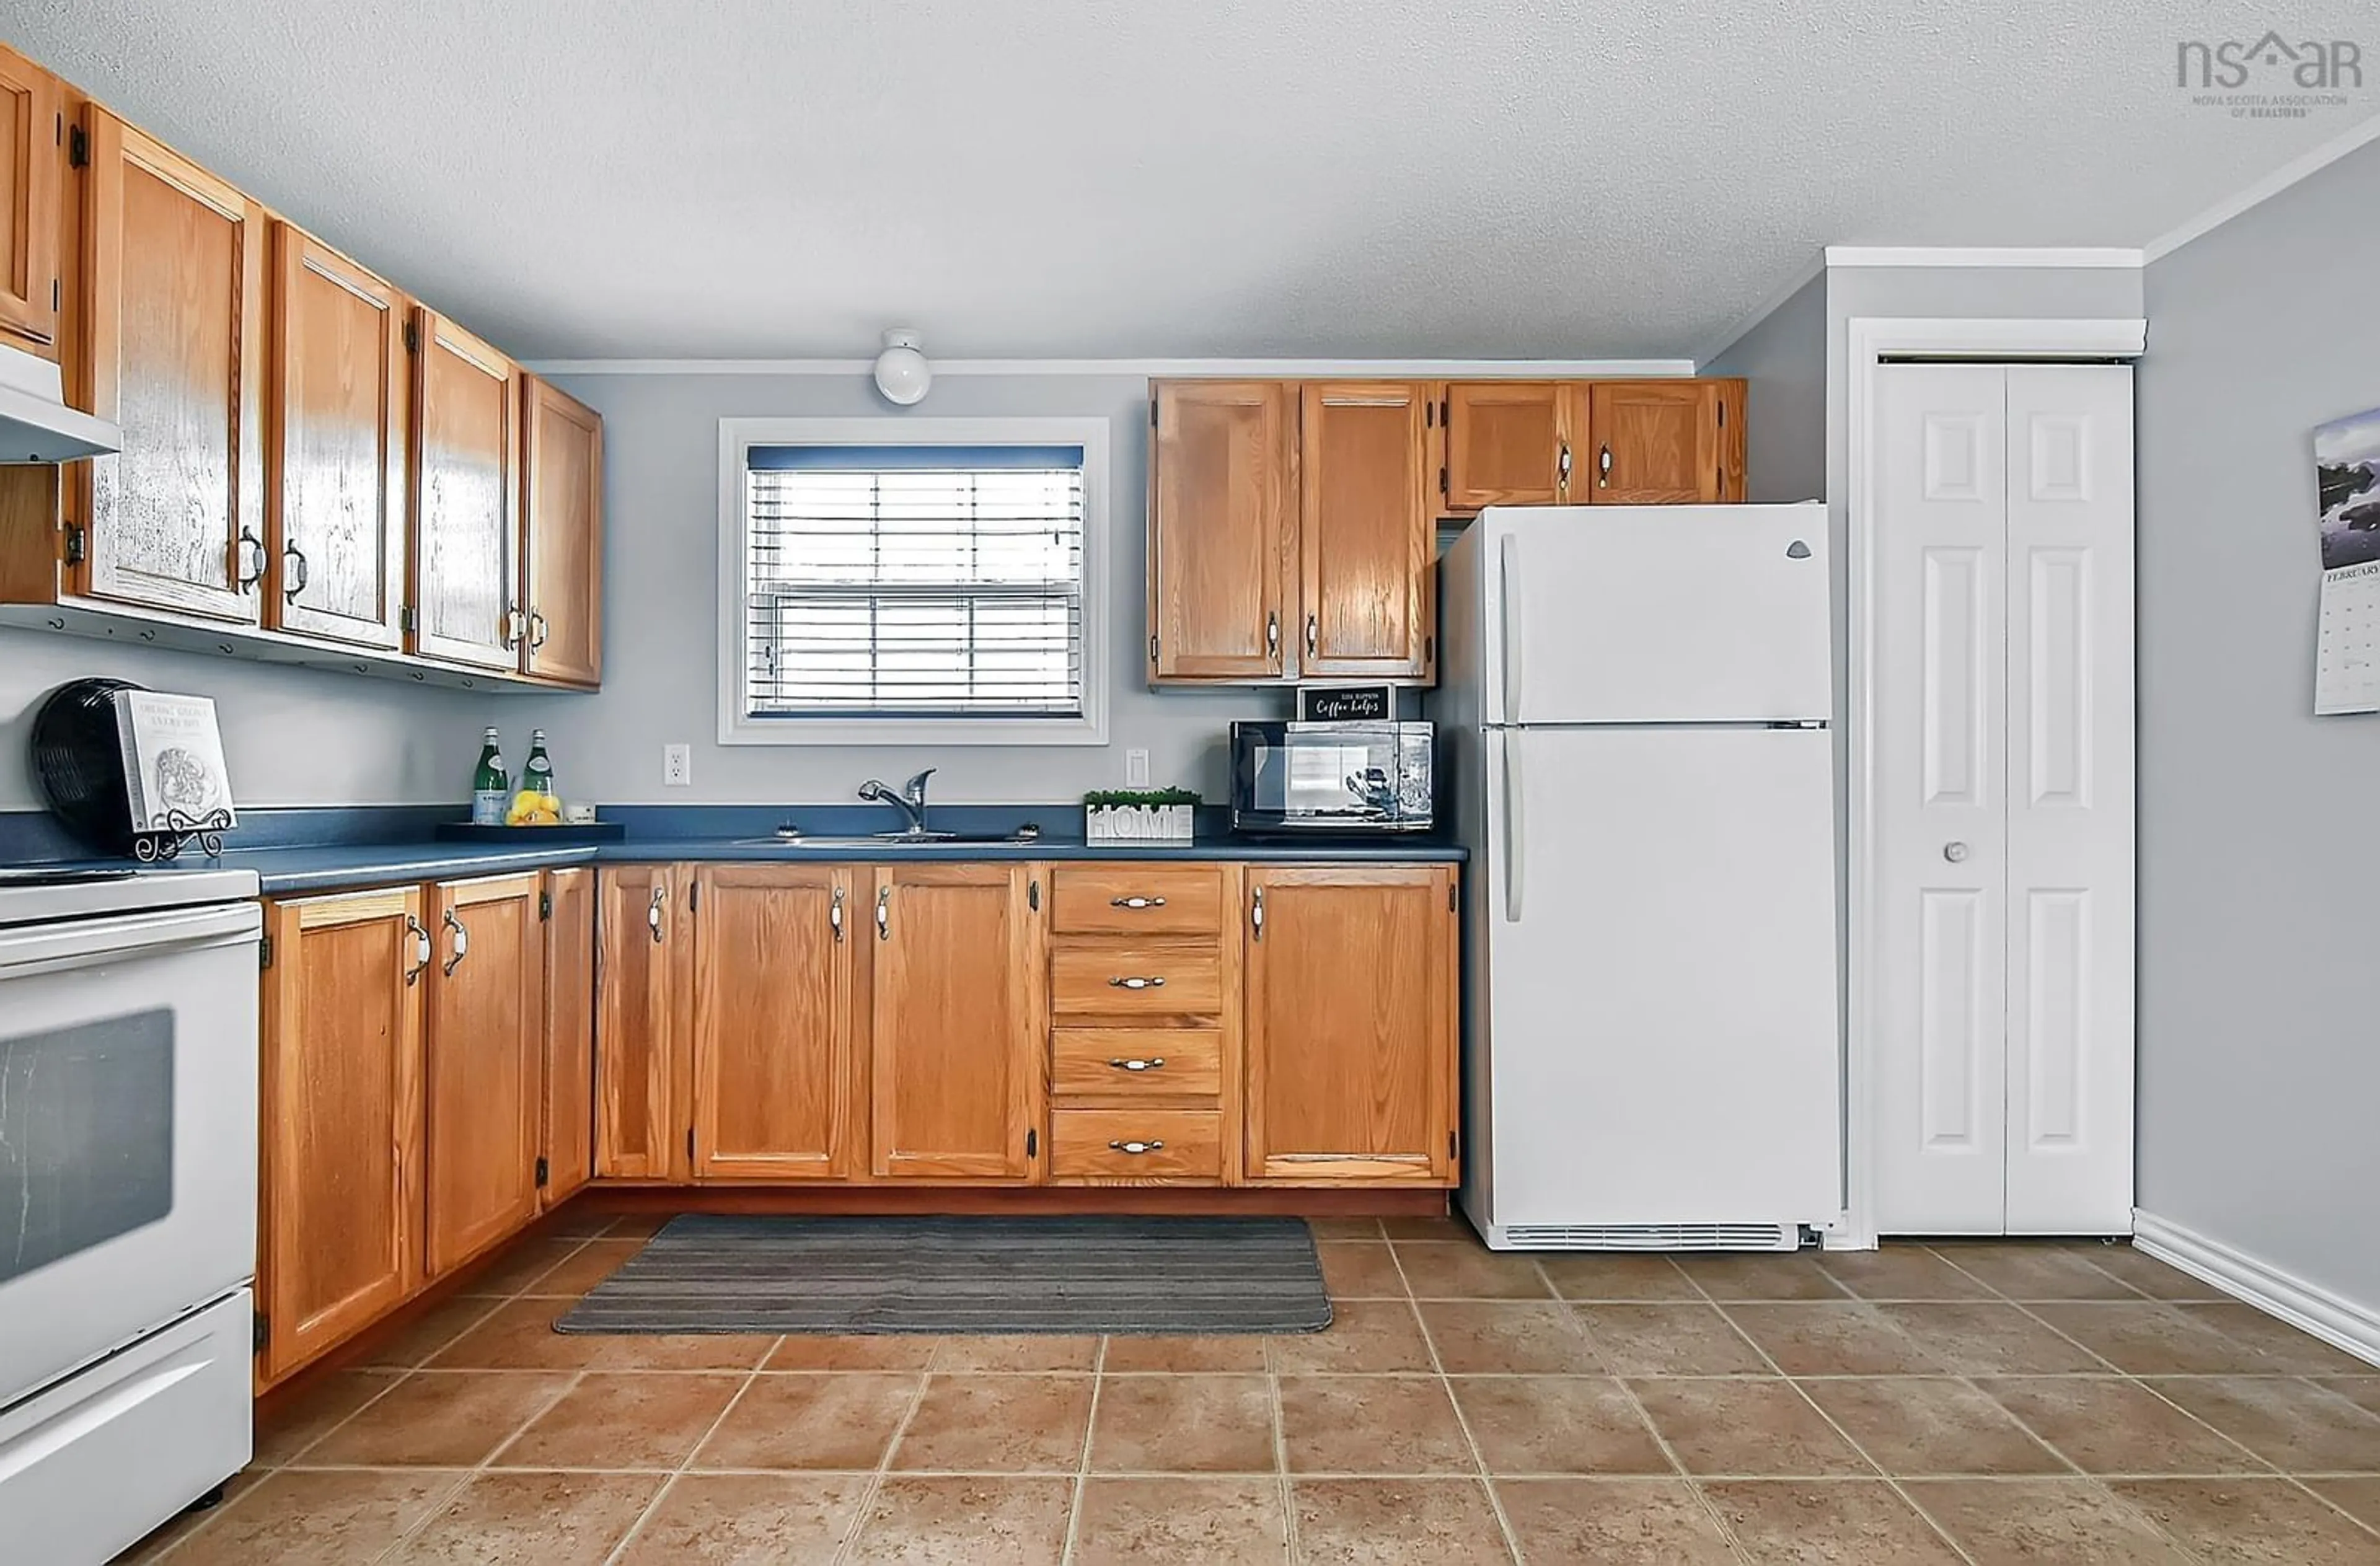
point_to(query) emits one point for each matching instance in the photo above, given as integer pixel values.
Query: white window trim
(738, 436)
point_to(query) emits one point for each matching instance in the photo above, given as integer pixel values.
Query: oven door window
(86, 1136)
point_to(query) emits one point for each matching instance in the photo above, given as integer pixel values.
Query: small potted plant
(1138, 814)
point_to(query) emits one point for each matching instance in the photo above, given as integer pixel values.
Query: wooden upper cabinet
(33, 175)
(340, 406)
(1366, 533)
(465, 498)
(777, 1077)
(174, 339)
(1505, 444)
(1351, 1024)
(1221, 528)
(340, 1238)
(1661, 443)
(645, 965)
(569, 1038)
(562, 508)
(958, 1026)
(485, 1075)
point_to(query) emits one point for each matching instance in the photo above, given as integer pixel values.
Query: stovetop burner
(59, 875)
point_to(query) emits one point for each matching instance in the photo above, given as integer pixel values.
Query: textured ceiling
(1166, 178)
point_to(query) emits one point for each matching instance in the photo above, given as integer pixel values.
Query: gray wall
(1783, 358)
(659, 662)
(291, 736)
(2260, 988)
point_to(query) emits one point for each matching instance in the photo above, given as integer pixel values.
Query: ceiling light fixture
(902, 373)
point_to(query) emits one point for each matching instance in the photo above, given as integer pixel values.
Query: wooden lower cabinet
(643, 1084)
(569, 910)
(777, 1081)
(340, 1238)
(1351, 979)
(957, 1026)
(486, 1073)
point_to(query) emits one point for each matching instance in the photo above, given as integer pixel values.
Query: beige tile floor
(2040, 1403)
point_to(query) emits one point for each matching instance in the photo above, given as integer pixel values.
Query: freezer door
(1659, 1001)
(1656, 614)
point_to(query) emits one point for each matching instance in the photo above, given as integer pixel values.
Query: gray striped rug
(1187, 1276)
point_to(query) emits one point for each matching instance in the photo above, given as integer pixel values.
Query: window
(923, 589)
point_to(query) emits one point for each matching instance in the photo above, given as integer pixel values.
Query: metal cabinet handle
(536, 630)
(250, 575)
(421, 949)
(1136, 901)
(292, 585)
(1137, 1149)
(1603, 468)
(883, 913)
(1155, 1063)
(834, 916)
(1561, 469)
(1313, 634)
(1255, 913)
(653, 913)
(1137, 983)
(1272, 632)
(462, 942)
(516, 627)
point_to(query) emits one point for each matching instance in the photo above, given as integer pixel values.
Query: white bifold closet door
(2003, 686)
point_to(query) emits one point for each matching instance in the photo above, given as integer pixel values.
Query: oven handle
(83, 943)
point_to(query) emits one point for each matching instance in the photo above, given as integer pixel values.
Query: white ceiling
(1485, 178)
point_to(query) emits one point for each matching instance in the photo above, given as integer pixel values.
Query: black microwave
(1349, 777)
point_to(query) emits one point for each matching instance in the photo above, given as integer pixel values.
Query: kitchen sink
(790, 837)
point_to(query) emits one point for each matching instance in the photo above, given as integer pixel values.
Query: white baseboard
(2338, 1322)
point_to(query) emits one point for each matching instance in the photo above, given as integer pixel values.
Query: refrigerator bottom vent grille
(1656, 1236)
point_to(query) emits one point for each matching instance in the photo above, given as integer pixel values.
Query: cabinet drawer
(1151, 1062)
(1136, 900)
(1135, 981)
(1174, 1145)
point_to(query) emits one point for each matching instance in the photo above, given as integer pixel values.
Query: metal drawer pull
(1137, 1149)
(1137, 983)
(293, 582)
(834, 915)
(462, 941)
(883, 913)
(1155, 1063)
(421, 948)
(1136, 901)
(653, 913)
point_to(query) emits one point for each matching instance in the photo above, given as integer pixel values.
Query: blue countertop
(287, 861)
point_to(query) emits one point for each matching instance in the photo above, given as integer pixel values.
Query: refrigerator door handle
(1507, 563)
(1514, 851)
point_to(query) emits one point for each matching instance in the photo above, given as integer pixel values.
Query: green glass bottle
(537, 772)
(491, 790)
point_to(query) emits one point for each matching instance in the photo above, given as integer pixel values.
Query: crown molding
(2272, 184)
(1284, 368)
(2101, 256)
(1745, 323)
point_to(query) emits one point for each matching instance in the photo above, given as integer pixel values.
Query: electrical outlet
(677, 765)
(1135, 769)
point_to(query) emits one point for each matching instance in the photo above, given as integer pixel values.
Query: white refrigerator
(1635, 703)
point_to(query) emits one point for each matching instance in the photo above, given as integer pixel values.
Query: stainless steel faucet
(910, 801)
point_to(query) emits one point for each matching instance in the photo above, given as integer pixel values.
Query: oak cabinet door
(1223, 529)
(340, 409)
(341, 1232)
(776, 1068)
(562, 535)
(485, 1075)
(174, 266)
(642, 1122)
(958, 1021)
(1506, 443)
(465, 498)
(1656, 442)
(569, 1038)
(32, 178)
(1351, 1024)
(1366, 536)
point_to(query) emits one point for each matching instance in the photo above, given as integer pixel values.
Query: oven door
(127, 1130)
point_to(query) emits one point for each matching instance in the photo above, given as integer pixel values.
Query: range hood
(36, 425)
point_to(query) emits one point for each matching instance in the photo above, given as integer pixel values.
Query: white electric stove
(128, 1199)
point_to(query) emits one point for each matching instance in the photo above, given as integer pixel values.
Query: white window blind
(913, 581)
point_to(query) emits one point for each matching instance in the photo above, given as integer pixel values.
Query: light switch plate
(677, 765)
(1135, 769)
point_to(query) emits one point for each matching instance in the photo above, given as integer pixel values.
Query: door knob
(1955, 851)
